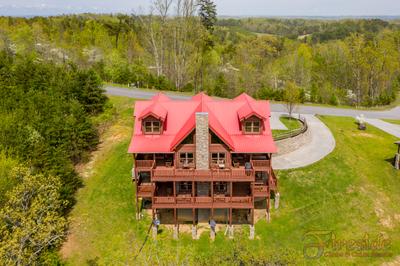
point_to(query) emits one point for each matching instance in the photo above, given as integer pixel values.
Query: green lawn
(397, 122)
(353, 191)
(290, 123)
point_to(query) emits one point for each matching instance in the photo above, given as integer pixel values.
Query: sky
(224, 7)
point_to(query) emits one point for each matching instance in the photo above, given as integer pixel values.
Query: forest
(179, 46)
(46, 128)
(52, 71)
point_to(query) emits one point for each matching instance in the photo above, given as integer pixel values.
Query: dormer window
(151, 126)
(252, 126)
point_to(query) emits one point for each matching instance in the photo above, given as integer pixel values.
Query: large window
(152, 127)
(253, 126)
(218, 158)
(186, 158)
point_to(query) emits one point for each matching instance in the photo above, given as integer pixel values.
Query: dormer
(152, 126)
(252, 125)
(251, 118)
(153, 119)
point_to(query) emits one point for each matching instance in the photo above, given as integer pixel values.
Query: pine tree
(208, 14)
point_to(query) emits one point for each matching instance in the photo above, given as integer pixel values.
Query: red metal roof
(223, 115)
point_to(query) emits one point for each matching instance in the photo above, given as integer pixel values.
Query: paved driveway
(385, 126)
(322, 143)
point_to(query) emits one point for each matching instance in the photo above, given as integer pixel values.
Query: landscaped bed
(290, 122)
(354, 191)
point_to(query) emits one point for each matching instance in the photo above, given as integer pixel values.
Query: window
(252, 126)
(218, 158)
(186, 158)
(220, 188)
(151, 127)
(185, 187)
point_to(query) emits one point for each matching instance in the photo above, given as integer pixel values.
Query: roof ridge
(179, 138)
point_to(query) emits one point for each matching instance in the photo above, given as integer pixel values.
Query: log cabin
(203, 159)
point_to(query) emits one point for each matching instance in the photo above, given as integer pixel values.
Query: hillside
(353, 192)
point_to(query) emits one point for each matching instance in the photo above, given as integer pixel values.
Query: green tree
(220, 86)
(291, 96)
(208, 14)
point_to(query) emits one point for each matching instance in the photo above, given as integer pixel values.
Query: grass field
(353, 191)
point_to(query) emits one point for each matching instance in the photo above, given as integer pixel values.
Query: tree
(220, 86)
(208, 14)
(291, 96)
(91, 91)
(30, 221)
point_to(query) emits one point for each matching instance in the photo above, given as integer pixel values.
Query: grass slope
(397, 122)
(353, 191)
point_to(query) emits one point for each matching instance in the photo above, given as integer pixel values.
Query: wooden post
(137, 197)
(252, 231)
(176, 226)
(212, 198)
(175, 218)
(155, 229)
(268, 205)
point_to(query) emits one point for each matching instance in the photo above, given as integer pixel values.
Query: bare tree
(154, 25)
(171, 35)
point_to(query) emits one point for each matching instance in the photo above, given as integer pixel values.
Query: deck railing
(144, 164)
(260, 163)
(206, 175)
(202, 200)
(260, 188)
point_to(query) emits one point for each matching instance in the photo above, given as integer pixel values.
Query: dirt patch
(364, 134)
(395, 262)
(68, 246)
(385, 219)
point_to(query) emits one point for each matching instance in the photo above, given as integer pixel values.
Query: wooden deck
(215, 202)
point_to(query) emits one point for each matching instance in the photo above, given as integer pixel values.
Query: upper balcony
(165, 169)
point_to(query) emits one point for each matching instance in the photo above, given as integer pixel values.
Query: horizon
(225, 8)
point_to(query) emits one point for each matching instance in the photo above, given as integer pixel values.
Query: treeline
(350, 62)
(45, 129)
(315, 29)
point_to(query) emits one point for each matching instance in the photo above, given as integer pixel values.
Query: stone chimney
(202, 152)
